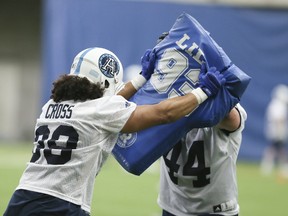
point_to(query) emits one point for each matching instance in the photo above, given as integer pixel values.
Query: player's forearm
(176, 108)
(132, 87)
(127, 91)
(167, 111)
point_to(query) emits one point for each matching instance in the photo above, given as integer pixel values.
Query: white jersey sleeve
(199, 174)
(72, 141)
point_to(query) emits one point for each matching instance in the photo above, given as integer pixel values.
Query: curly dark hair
(70, 87)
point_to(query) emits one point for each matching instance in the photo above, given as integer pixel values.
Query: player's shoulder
(103, 100)
(111, 99)
(110, 104)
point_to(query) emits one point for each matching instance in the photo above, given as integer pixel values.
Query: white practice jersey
(72, 141)
(199, 174)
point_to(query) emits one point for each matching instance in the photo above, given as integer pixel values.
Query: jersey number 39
(57, 150)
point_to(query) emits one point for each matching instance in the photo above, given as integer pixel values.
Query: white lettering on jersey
(194, 51)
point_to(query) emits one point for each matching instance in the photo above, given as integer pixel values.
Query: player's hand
(211, 81)
(148, 64)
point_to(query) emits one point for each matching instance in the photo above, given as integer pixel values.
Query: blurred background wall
(20, 68)
(39, 39)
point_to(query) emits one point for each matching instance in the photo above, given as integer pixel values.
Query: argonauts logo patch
(126, 139)
(109, 65)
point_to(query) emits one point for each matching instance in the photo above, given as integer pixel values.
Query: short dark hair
(71, 87)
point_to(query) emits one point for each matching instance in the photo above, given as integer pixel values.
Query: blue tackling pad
(178, 60)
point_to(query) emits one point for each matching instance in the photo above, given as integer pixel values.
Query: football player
(275, 131)
(198, 176)
(79, 126)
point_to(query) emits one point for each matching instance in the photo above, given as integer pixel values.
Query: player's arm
(167, 111)
(231, 121)
(148, 63)
(170, 110)
(127, 91)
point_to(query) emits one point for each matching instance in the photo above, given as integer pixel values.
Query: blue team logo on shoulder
(109, 65)
(126, 139)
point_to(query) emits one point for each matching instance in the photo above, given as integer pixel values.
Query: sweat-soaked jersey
(199, 174)
(72, 141)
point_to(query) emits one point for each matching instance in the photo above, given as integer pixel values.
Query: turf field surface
(118, 193)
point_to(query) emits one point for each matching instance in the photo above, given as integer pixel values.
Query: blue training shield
(179, 58)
